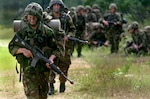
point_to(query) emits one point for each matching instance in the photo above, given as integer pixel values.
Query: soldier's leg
(51, 83)
(43, 85)
(116, 44)
(72, 49)
(30, 83)
(111, 41)
(64, 68)
(79, 49)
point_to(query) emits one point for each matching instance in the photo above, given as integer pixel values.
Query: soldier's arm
(119, 19)
(144, 40)
(52, 45)
(13, 48)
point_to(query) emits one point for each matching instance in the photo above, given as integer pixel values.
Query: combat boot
(51, 89)
(62, 87)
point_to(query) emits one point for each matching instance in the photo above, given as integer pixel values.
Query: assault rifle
(111, 22)
(128, 44)
(77, 40)
(39, 55)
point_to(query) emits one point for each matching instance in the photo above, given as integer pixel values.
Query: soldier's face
(56, 7)
(32, 20)
(112, 10)
(131, 31)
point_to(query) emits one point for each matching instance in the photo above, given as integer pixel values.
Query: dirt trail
(77, 63)
(16, 91)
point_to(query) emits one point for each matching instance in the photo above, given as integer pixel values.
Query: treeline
(11, 9)
(138, 10)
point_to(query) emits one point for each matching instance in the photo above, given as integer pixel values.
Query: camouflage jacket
(68, 29)
(43, 38)
(95, 36)
(111, 18)
(139, 38)
(66, 23)
(79, 23)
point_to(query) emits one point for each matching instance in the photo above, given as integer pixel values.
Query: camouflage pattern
(134, 25)
(60, 2)
(112, 5)
(68, 26)
(79, 23)
(139, 41)
(97, 11)
(147, 31)
(35, 84)
(34, 9)
(35, 80)
(89, 16)
(69, 30)
(113, 32)
(97, 36)
(95, 6)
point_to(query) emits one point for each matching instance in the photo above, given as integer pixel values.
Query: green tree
(137, 10)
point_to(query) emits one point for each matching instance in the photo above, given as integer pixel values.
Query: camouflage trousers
(35, 84)
(114, 40)
(139, 52)
(79, 47)
(64, 67)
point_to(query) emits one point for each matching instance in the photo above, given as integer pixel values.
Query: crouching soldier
(139, 40)
(97, 37)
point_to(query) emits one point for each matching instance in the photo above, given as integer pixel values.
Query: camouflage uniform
(79, 23)
(113, 31)
(96, 10)
(65, 60)
(90, 16)
(139, 40)
(35, 79)
(147, 31)
(97, 35)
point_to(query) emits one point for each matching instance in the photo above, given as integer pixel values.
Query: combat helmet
(88, 8)
(112, 5)
(134, 25)
(60, 2)
(72, 9)
(95, 6)
(97, 25)
(34, 9)
(147, 29)
(80, 7)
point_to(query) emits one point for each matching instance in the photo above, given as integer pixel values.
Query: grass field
(117, 75)
(97, 75)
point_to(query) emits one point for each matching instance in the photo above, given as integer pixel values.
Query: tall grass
(9, 80)
(116, 75)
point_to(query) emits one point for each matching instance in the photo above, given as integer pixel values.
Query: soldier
(57, 12)
(96, 10)
(34, 32)
(139, 40)
(97, 37)
(89, 16)
(113, 23)
(73, 12)
(79, 23)
(147, 31)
